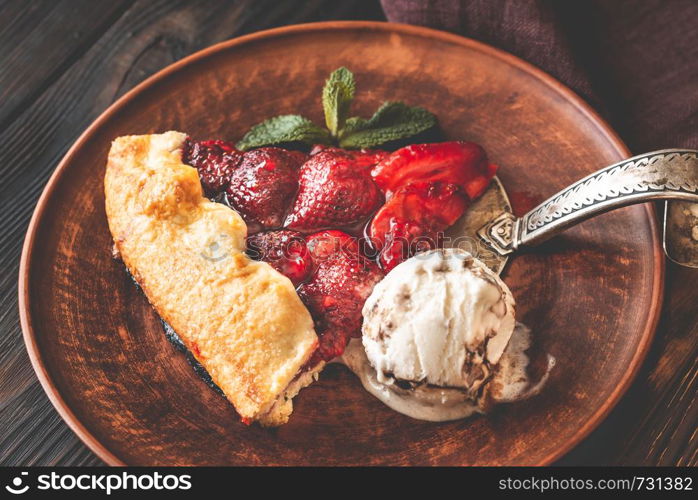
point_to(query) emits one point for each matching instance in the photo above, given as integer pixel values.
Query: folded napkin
(636, 62)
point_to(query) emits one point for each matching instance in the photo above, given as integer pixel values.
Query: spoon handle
(665, 174)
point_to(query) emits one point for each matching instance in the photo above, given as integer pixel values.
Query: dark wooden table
(63, 62)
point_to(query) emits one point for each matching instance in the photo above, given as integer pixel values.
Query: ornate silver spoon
(670, 174)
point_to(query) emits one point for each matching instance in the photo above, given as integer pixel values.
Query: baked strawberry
(413, 220)
(428, 187)
(286, 251)
(335, 191)
(262, 186)
(215, 161)
(461, 163)
(335, 293)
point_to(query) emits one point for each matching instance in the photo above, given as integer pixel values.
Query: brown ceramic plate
(591, 296)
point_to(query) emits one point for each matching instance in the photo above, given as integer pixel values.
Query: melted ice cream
(440, 341)
(510, 382)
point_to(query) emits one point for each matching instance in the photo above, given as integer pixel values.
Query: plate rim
(24, 300)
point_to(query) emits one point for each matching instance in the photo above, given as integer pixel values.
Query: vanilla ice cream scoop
(440, 318)
(436, 330)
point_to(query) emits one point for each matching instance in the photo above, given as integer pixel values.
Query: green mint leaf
(282, 129)
(392, 121)
(337, 95)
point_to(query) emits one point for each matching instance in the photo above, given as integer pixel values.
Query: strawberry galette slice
(240, 318)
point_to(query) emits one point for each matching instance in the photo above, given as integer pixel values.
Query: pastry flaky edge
(241, 319)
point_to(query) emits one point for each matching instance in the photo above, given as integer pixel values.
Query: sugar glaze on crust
(242, 320)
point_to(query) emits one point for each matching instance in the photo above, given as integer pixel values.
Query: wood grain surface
(46, 106)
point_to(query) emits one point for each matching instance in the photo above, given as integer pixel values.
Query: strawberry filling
(428, 187)
(263, 185)
(304, 213)
(413, 220)
(461, 163)
(215, 160)
(335, 191)
(335, 293)
(286, 251)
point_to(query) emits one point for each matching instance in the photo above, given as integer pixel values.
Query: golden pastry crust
(240, 318)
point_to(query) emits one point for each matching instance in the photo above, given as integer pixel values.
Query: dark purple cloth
(635, 61)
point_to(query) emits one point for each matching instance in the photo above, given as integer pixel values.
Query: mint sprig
(337, 95)
(283, 129)
(392, 121)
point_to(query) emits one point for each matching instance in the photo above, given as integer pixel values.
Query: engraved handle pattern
(667, 174)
